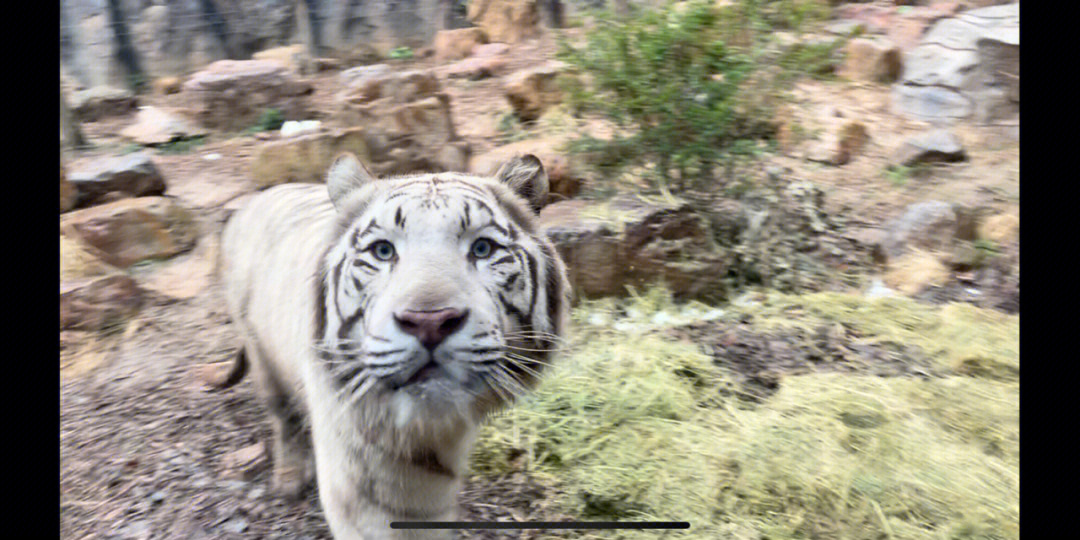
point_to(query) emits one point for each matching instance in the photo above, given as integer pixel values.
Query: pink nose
(431, 327)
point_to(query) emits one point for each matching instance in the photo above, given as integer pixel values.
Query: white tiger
(390, 316)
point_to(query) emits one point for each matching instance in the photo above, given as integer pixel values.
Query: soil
(148, 450)
(760, 359)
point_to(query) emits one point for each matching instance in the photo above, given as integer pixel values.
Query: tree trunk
(551, 13)
(70, 134)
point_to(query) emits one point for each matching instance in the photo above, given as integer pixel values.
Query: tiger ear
(526, 176)
(345, 176)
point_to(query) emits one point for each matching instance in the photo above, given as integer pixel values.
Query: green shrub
(269, 120)
(669, 76)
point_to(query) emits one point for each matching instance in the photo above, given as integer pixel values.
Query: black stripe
(351, 321)
(372, 227)
(320, 306)
(362, 263)
(468, 212)
(532, 280)
(513, 232)
(503, 259)
(399, 220)
(511, 280)
(554, 299)
(495, 226)
(376, 354)
(335, 284)
(522, 321)
(344, 378)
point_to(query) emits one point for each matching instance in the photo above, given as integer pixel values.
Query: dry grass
(631, 425)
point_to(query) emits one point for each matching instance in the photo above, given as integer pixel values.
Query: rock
(872, 60)
(531, 91)
(102, 101)
(184, 276)
(164, 86)
(845, 27)
(839, 145)
(625, 241)
(457, 44)
(132, 230)
(243, 463)
(325, 64)
(154, 126)
(133, 175)
(914, 272)
(489, 50)
(509, 21)
(233, 94)
(97, 303)
(358, 76)
(407, 121)
(379, 81)
(305, 158)
(564, 180)
(293, 57)
(930, 226)
(964, 67)
(68, 193)
(476, 68)
(292, 127)
(932, 146)
(1002, 229)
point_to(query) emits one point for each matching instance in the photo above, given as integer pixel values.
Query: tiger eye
(383, 250)
(482, 248)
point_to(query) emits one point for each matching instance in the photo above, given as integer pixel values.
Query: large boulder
(626, 241)
(100, 102)
(133, 175)
(406, 119)
(305, 158)
(509, 21)
(154, 126)
(231, 95)
(294, 57)
(872, 60)
(937, 145)
(457, 44)
(532, 91)
(125, 232)
(92, 293)
(965, 67)
(929, 226)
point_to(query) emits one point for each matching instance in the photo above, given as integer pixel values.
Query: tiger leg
(291, 445)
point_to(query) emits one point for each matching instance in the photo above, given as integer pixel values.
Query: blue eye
(482, 248)
(383, 250)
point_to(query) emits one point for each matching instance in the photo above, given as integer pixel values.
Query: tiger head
(439, 299)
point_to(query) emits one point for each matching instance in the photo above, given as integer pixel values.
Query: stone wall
(127, 42)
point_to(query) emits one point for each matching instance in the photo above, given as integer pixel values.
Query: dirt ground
(149, 451)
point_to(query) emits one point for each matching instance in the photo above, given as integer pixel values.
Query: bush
(694, 83)
(670, 77)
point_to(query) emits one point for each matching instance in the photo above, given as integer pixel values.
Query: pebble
(236, 525)
(293, 127)
(878, 289)
(212, 157)
(157, 497)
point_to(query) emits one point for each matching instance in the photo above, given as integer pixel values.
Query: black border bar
(539, 524)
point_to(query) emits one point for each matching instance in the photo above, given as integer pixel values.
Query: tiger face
(440, 298)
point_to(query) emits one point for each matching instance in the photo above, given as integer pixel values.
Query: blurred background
(792, 227)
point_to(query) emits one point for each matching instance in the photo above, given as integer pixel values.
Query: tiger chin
(382, 320)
